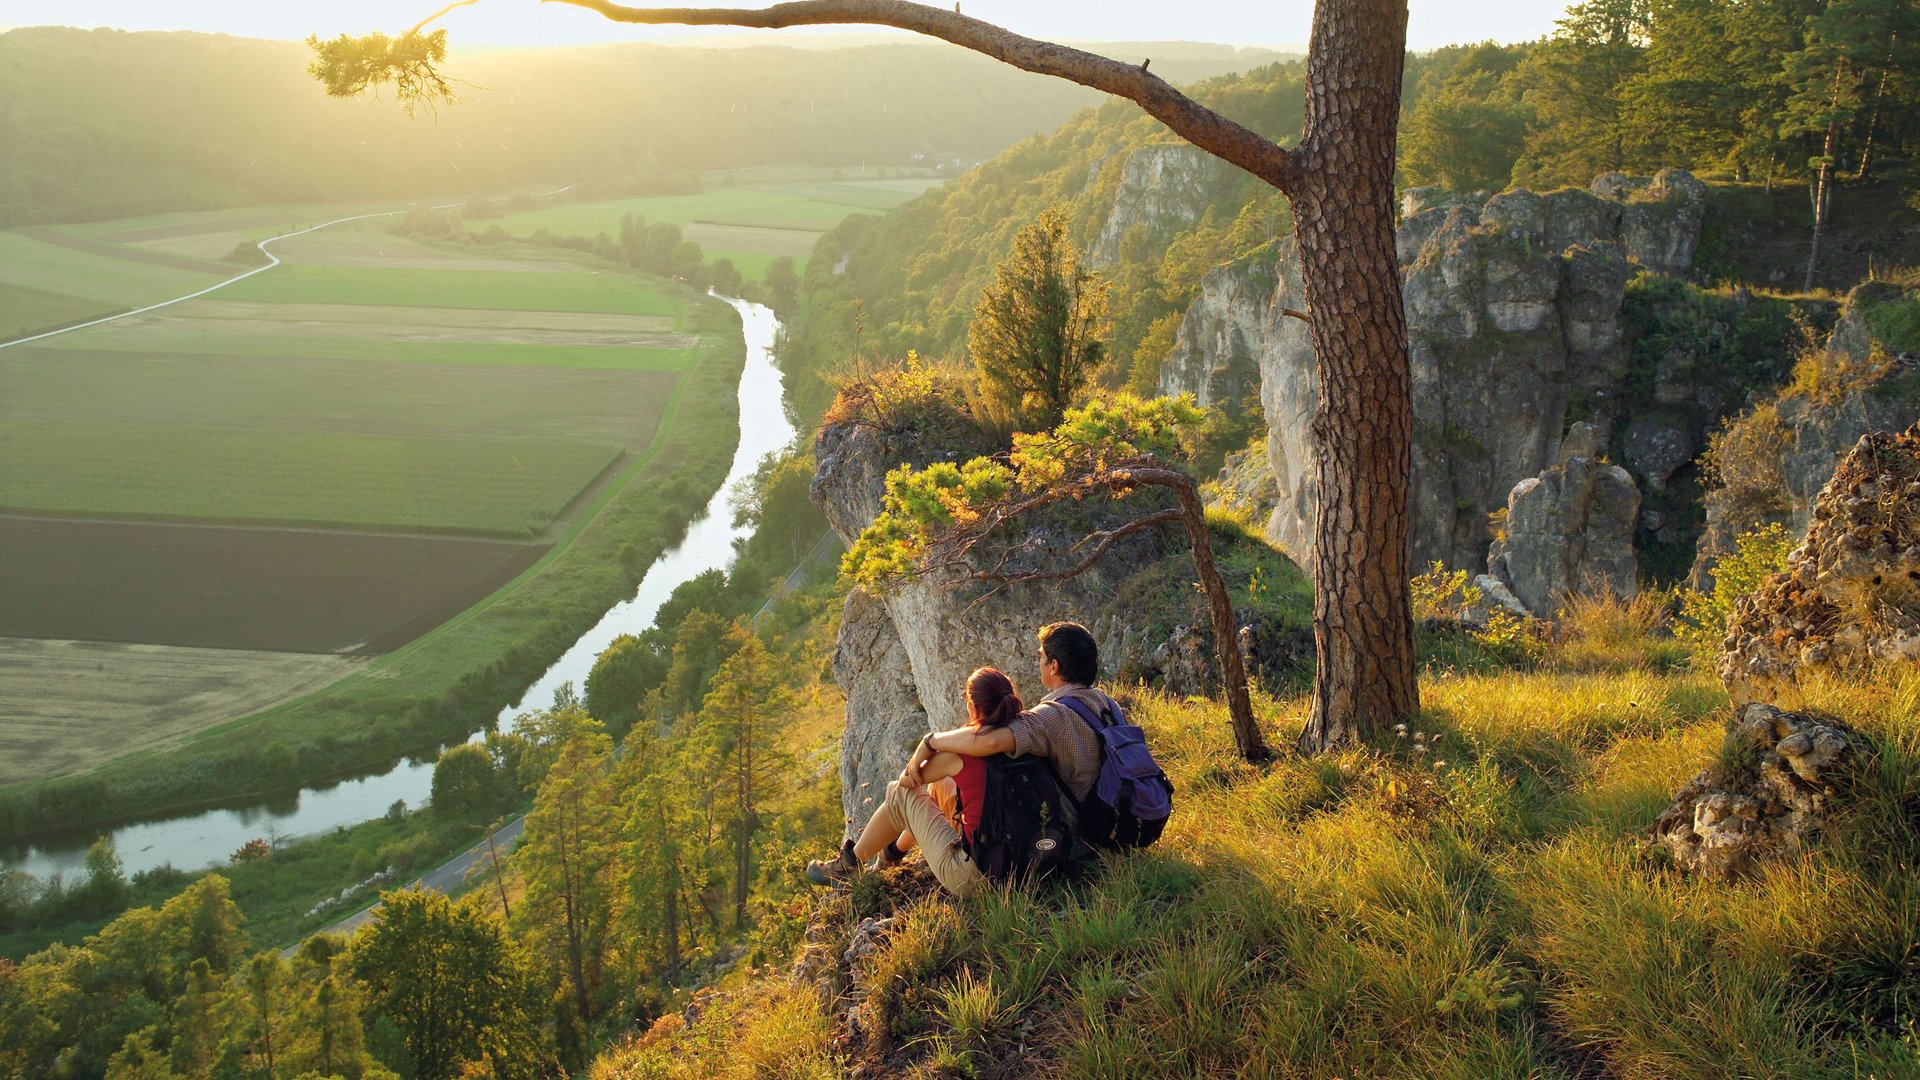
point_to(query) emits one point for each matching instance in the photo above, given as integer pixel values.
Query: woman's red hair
(994, 698)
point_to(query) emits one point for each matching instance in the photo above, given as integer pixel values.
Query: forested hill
(876, 288)
(1753, 96)
(104, 123)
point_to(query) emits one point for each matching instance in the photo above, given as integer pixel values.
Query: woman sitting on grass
(918, 814)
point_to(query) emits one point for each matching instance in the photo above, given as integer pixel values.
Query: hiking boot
(889, 857)
(828, 871)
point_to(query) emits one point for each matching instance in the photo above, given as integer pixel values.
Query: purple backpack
(1129, 804)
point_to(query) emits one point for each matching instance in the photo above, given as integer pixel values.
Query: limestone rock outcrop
(1569, 530)
(1849, 600)
(1215, 356)
(1244, 486)
(884, 715)
(904, 658)
(1765, 798)
(1162, 188)
(1513, 307)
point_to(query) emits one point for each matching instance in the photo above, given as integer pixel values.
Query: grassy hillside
(1469, 898)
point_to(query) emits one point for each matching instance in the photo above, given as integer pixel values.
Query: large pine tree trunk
(1343, 213)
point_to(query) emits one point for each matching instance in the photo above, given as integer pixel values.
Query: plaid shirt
(1058, 734)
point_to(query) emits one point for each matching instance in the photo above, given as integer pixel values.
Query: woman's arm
(922, 770)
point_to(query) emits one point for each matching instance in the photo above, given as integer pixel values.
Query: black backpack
(1129, 803)
(1023, 831)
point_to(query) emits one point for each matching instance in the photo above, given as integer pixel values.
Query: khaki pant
(917, 813)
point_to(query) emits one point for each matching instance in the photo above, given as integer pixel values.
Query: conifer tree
(566, 856)
(1854, 49)
(742, 721)
(652, 782)
(1032, 338)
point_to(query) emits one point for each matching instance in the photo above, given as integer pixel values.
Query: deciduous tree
(460, 990)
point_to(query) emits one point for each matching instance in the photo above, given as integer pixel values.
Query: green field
(750, 223)
(360, 347)
(44, 285)
(813, 207)
(502, 487)
(580, 291)
(619, 407)
(373, 383)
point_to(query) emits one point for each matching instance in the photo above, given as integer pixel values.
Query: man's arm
(965, 741)
(972, 741)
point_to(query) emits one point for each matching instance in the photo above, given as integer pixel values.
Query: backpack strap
(1080, 708)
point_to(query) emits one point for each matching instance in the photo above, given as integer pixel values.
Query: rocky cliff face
(904, 658)
(1162, 188)
(1513, 308)
(1794, 442)
(1216, 356)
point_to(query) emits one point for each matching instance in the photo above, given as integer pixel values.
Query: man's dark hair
(1072, 647)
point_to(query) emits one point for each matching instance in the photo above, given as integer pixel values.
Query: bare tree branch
(423, 23)
(1103, 542)
(1199, 125)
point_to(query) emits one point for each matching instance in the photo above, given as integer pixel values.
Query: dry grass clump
(1600, 631)
(1466, 897)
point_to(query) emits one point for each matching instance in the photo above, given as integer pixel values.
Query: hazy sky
(527, 22)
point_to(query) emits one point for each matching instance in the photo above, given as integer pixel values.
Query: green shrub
(1756, 556)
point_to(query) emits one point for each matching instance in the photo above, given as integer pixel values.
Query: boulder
(1660, 222)
(1765, 798)
(1849, 600)
(1657, 449)
(1569, 530)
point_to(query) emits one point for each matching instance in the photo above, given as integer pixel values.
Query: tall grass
(1467, 898)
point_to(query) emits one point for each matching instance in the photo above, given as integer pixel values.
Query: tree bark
(1821, 195)
(1363, 424)
(1226, 636)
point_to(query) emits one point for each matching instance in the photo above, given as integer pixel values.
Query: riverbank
(457, 678)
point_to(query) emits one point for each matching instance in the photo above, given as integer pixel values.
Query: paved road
(447, 878)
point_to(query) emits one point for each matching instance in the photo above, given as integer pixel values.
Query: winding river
(196, 841)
